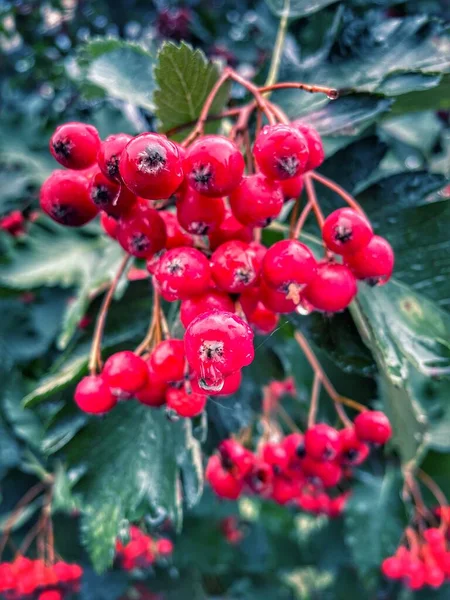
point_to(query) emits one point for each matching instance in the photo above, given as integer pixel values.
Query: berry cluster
(26, 579)
(141, 551)
(299, 469)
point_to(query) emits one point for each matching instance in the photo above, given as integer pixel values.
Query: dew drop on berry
(209, 385)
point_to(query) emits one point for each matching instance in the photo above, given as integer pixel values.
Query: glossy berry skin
(229, 229)
(275, 300)
(256, 201)
(374, 263)
(109, 155)
(182, 273)
(332, 289)
(392, 567)
(288, 262)
(234, 267)
(231, 384)
(213, 166)
(51, 595)
(346, 231)
(210, 300)
(353, 452)
(65, 198)
(322, 442)
(292, 188)
(111, 197)
(218, 343)
(184, 404)
(260, 479)
(263, 320)
(314, 142)
(327, 472)
(372, 426)
(222, 481)
(167, 360)
(294, 445)
(236, 458)
(176, 236)
(125, 372)
(151, 166)
(154, 391)
(281, 152)
(75, 145)
(276, 456)
(93, 395)
(141, 231)
(199, 214)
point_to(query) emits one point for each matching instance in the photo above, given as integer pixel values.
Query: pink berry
(164, 547)
(113, 198)
(353, 451)
(93, 395)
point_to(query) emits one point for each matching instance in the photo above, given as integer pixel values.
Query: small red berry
(434, 536)
(292, 188)
(182, 273)
(151, 166)
(328, 473)
(164, 547)
(260, 479)
(109, 155)
(93, 395)
(125, 372)
(75, 145)
(65, 198)
(373, 426)
(213, 166)
(229, 229)
(109, 225)
(109, 196)
(263, 320)
(154, 391)
(51, 595)
(184, 404)
(222, 481)
(284, 490)
(374, 262)
(314, 142)
(392, 567)
(176, 237)
(167, 360)
(236, 458)
(294, 444)
(434, 576)
(275, 300)
(192, 307)
(281, 151)
(353, 451)
(322, 442)
(234, 267)
(288, 262)
(332, 289)
(141, 231)
(14, 223)
(276, 456)
(197, 214)
(257, 200)
(337, 505)
(346, 231)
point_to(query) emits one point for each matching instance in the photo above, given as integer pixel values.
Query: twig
(302, 220)
(314, 403)
(436, 491)
(313, 199)
(154, 328)
(342, 415)
(332, 93)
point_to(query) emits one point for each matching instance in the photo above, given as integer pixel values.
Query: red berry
(222, 481)
(353, 451)
(13, 223)
(184, 404)
(236, 458)
(260, 478)
(66, 573)
(288, 262)
(164, 547)
(92, 395)
(294, 444)
(434, 576)
(281, 151)
(125, 372)
(176, 237)
(292, 188)
(192, 307)
(275, 300)
(167, 360)
(65, 198)
(213, 165)
(151, 166)
(332, 289)
(337, 505)
(322, 442)
(346, 231)
(182, 273)
(141, 231)
(218, 343)
(234, 267)
(392, 568)
(109, 225)
(231, 384)
(109, 155)
(75, 145)
(109, 196)
(229, 229)
(328, 473)
(284, 490)
(373, 426)
(374, 262)
(314, 142)
(263, 320)
(276, 456)
(434, 536)
(256, 201)
(199, 214)
(154, 391)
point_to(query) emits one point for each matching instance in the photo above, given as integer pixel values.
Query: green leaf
(122, 70)
(374, 521)
(184, 77)
(134, 459)
(297, 8)
(9, 449)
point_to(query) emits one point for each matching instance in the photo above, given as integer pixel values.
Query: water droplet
(303, 309)
(333, 94)
(211, 385)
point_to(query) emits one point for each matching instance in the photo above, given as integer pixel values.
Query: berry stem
(436, 491)
(279, 114)
(314, 403)
(413, 540)
(329, 183)
(294, 217)
(231, 112)
(154, 327)
(317, 367)
(342, 415)
(164, 324)
(95, 360)
(262, 104)
(332, 93)
(415, 492)
(313, 199)
(302, 220)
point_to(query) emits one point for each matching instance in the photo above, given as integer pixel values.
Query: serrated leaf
(133, 458)
(184, 77)
(297, 8)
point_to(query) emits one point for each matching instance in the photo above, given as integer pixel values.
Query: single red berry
(234, 267)
(107, 195)
(14, 223)
(125, 372)
(184, 404)
(337, 505)
(374, 262)
(287, 263)
(322, 442)
(434, 576)
(109, 155)
(260, 479)
(222, 481)
(434, 536)
(275, 300)
(109, 225)
(332, 289)
(346, 231)
(197, 214)
(284, 490)
(164, 547)
(151, 166)
(257, 200)
(154, 391)
(51, 595)
(392, 567)
(231, 384)
(276, 456)
(294, 444)
(328, 473)
(93, 395)
(372, 426)
(307, 502)
(292, 188)
(141, 231)
(236, 458)
(229, 229)
(65, 198)
(213, 165)
(167, 360)
(192, 307)
(314, 142)
(75, 145)
(176, 236)
(281, 151)
(182, 273)
(353, 451)
(263, 320)
(217, 343)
